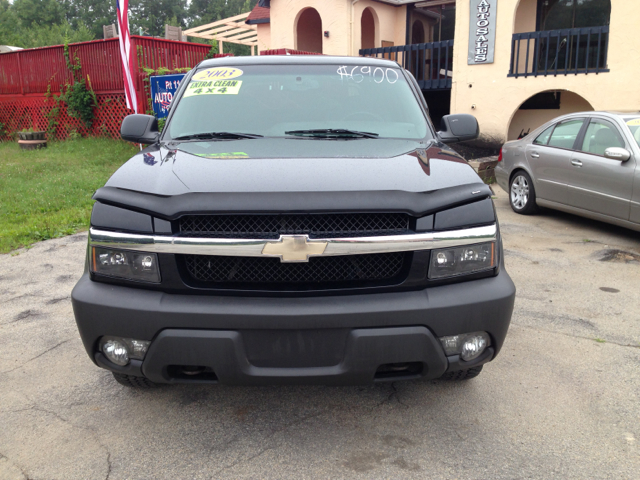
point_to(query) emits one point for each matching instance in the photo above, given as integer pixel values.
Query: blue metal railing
(559, 52)
(431, 63)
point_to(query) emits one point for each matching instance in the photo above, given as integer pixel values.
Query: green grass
(47, 193)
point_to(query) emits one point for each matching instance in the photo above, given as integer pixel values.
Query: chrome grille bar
(255, 248)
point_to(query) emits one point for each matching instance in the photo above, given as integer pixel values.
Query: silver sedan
(583, 163)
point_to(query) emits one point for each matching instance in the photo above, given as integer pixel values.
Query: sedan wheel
(522, 196)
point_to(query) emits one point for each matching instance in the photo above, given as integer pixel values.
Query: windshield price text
(378, 74)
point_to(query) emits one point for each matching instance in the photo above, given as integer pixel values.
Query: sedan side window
(565, 134)
(601, 135)
(543, 138)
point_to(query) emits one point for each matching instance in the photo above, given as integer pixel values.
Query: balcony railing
(560, 52)
(431, 63)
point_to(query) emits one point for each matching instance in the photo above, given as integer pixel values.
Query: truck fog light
(116, 352)
(121, 350)
(138, 348)
(473, 347)
(468, 345)
(451, 344)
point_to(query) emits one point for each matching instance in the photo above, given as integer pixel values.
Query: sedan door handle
(577, 163)
(535, 155)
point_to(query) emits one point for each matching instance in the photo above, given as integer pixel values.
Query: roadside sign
(163, 88)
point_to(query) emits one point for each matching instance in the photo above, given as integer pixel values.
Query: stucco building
(514, 64)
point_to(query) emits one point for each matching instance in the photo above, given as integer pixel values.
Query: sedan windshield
(298, 101)
(633, 123)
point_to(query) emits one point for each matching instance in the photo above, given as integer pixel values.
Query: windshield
(299, 101)
(633, 123)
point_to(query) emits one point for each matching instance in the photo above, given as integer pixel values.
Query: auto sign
(163, 88)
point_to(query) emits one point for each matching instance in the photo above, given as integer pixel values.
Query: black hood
(293, 165)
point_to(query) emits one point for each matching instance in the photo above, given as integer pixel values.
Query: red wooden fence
(26, 76)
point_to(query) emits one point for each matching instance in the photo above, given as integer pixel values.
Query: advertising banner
(163, 88)
(482, 31)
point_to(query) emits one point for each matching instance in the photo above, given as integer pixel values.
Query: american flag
(125, 54)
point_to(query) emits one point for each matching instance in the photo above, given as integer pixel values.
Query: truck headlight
(451, 262)
(125, 264)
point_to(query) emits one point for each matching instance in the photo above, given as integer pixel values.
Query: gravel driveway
(561, 400)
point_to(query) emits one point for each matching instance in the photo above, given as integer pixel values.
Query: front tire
(134, 382)
(522, 195)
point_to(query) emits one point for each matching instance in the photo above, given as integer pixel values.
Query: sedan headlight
(125, 264)
(451, 262)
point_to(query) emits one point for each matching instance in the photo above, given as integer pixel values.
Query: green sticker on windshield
(634, 123)
(217, 87)
(223, 155)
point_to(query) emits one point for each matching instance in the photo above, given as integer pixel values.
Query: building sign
(482, 31)
(163, 88)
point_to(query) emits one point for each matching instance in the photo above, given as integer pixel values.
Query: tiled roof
(259, 15)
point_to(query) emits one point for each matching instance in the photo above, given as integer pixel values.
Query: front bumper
(326, 340)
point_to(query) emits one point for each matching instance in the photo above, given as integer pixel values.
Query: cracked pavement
(561, 400)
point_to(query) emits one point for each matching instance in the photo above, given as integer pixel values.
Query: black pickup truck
(298, 220)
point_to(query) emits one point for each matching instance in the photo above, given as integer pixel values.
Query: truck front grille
(320, 272)
(315, 225)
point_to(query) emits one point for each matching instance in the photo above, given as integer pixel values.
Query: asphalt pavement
(560, 401)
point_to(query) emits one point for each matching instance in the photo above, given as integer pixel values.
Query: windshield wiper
(331, 132)
(213, 135)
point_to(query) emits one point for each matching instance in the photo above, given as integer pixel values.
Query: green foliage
(207, 11)
(94, 13)
(37, 23)
(53, 35)
(152, 15)
(80, 101)
(47, 193)
(214, 49)
(39, 12)
(78, 96)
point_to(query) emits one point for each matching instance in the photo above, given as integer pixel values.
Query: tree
(202, 12)
(152, 15)
(39, 12)
(38, 23)
(95, 13)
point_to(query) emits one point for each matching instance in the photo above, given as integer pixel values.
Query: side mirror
(458, 128)
(140, 129)
(617, 153)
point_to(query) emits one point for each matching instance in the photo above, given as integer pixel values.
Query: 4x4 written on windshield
(218, 87)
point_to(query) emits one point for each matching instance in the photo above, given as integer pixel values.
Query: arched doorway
(368, 29)
(309, 31)
(544, 106)
(417, 32)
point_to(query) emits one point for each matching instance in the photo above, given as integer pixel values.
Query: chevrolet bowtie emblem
(294, 248)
